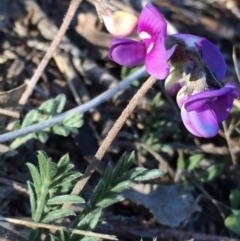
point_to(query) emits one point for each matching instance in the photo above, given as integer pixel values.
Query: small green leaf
(149, 175)
(68, 177)
(94, 221)
(235, 199)
(166, 148)
(99, 191)
(64, 169)
(65, 235)
(108, 174)
(73, 120)
(181, 163)
(121, 186)
(64, 160)
(48, 169)
(90, 220)
(193, 161)
(52, 169)
(42, 136)
(58, 200)
(57, 214)
(61, 101)
(232, 222)
(32, 197)
(16, 125)
(211, 172)
(60, 130)
(21, 140)
(43, 164)
(64, 187)
(105, 202)
(131, 174)
(30, 118)
(120, 165)
(156, 147)
(36, 178)
(47, 107)
(126, 161)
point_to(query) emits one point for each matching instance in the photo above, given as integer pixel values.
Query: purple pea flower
(202, 98)
(151, 49)
(203, 112)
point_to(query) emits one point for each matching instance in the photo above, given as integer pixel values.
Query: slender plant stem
(111, 136)
(228, 140)
(79, 109)
(67, 20)
(56, 228)
(234, 56)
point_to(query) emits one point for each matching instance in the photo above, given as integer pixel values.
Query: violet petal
(151, 21)
(156, 59)
(222, 107)
(181, 98)
(127, 52)
(209, 52)
(201, 123)
(198, 100)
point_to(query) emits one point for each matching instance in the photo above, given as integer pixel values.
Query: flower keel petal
(201, 123)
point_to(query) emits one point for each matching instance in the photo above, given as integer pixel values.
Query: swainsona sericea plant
(193, 68)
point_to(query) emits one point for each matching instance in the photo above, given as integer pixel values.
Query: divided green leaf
(47, 110)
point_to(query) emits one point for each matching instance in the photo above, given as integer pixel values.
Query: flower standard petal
(156, 59)
(127, 52)
(210, 53)
(201, 123)
(151, 22)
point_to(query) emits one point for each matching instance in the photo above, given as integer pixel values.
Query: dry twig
(111, 136)
(227, 136)
(68, 18)
(159, 158)
(234, 56)
(56, 228)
